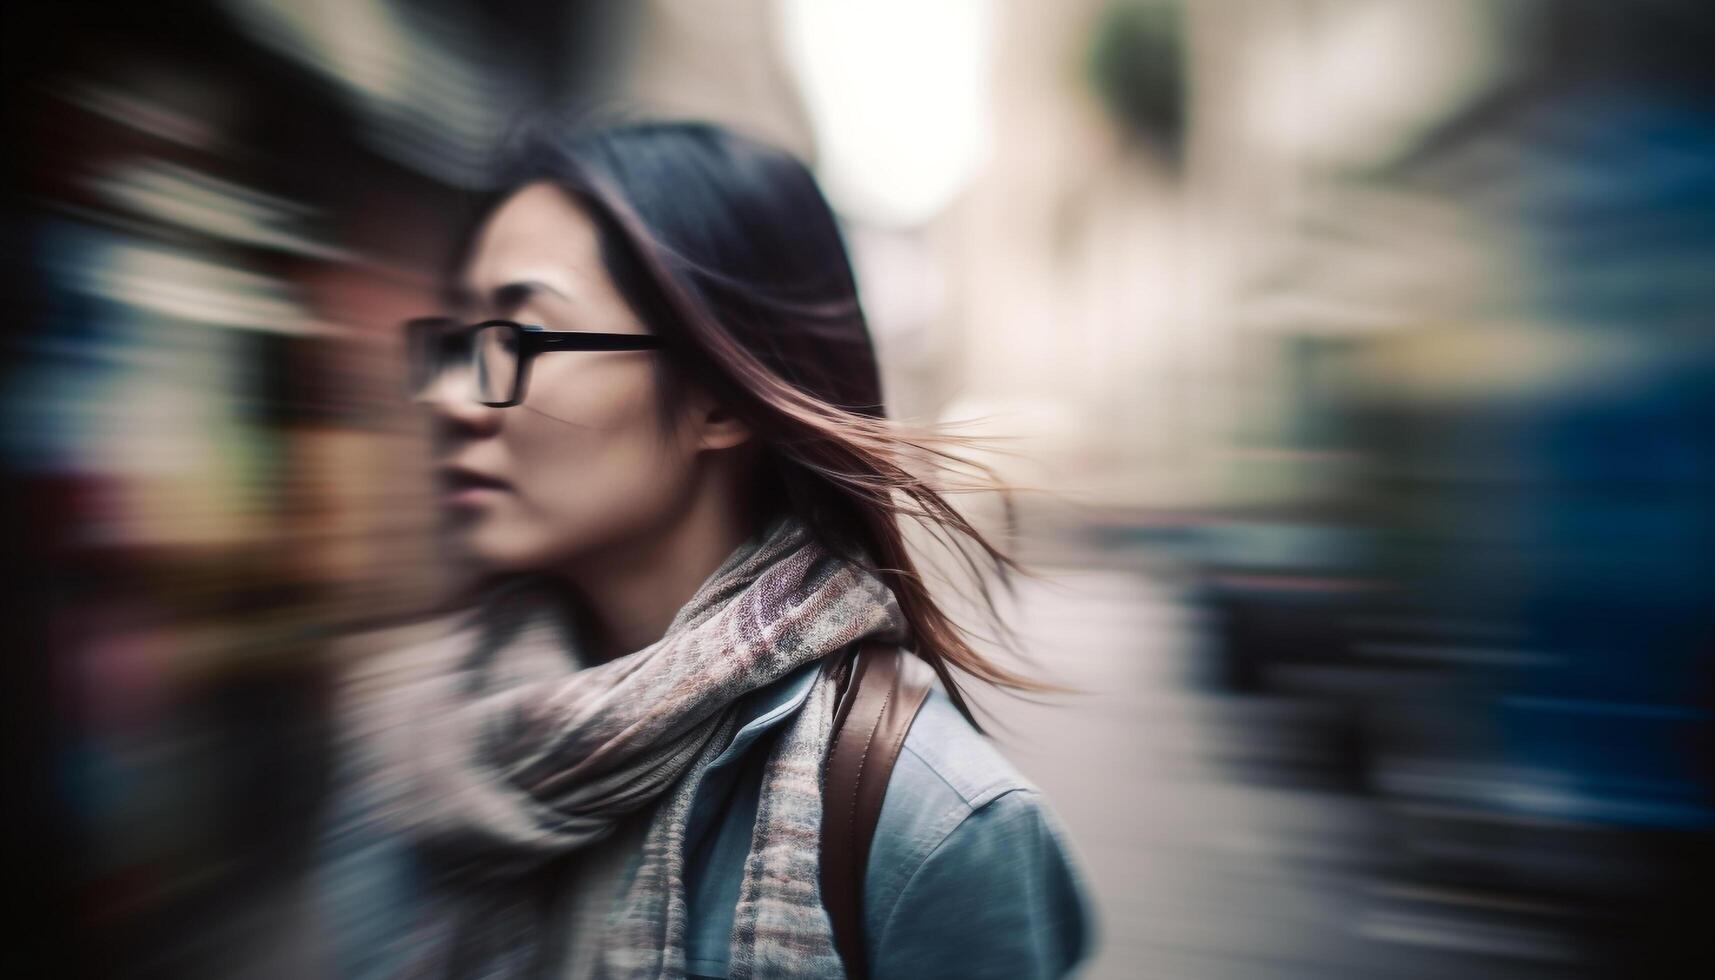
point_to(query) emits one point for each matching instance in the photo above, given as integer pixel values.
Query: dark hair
(726, 248)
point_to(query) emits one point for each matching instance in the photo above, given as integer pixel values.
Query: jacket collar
(768, 706)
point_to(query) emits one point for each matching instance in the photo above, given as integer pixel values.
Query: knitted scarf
(523, 750)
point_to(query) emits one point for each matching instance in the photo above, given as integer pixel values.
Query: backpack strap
(879, 701)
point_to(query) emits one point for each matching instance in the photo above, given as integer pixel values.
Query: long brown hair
(726, 248)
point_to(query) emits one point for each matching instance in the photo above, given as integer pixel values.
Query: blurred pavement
(1200, 868)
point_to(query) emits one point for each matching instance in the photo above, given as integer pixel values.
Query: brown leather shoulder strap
(879, 702)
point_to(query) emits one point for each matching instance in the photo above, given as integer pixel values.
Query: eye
(454, 343)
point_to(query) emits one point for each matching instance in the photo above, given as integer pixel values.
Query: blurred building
(221, 212)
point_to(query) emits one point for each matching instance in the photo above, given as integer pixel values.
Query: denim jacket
(969, 875)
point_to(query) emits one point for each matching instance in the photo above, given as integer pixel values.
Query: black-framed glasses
(494, 356)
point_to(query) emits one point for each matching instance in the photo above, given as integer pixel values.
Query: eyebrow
(505, 297)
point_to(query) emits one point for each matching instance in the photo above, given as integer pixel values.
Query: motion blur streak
(1361, 354)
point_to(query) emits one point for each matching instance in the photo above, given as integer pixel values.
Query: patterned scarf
(523, 750)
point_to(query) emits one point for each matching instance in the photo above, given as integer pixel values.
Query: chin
(492, 551)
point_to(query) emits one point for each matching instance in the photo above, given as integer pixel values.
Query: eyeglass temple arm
(581, 340)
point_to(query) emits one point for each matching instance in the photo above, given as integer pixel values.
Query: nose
(452, 405)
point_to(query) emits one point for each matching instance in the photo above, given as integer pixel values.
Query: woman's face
(585, 458)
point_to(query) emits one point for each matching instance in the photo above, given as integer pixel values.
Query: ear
(715, 426)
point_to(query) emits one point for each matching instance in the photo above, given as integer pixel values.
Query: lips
(454, 479)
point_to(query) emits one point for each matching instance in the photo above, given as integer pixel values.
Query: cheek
(587, 459)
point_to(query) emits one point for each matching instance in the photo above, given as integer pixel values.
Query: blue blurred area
(1520, 627)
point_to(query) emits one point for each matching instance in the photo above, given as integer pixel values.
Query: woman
(660, 429)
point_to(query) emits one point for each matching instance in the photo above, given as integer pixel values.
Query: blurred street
(1219, 846)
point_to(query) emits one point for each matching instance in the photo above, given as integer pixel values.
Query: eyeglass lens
(496, 362)
(485, 359)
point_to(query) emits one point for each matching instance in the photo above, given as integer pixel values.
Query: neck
(631, 592)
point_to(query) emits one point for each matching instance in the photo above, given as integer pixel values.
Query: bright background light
(898, 94)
